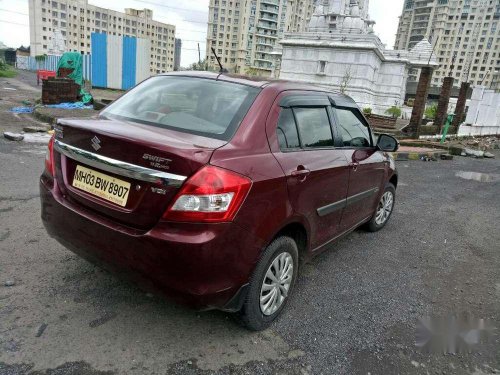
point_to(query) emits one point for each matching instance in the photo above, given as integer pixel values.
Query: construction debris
(13, 136)
(475, 153)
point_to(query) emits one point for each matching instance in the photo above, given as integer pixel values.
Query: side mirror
(387, 143)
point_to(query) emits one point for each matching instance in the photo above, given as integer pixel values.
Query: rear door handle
(301, 172)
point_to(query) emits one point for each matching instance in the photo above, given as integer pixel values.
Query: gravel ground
(354, 310)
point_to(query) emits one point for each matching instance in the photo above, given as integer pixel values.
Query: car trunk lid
(151, 162)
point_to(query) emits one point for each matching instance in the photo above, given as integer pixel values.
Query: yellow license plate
(101, 185)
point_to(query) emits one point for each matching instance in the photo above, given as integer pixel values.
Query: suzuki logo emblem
(96, 143)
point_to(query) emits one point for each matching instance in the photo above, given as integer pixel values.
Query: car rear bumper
(203, 266)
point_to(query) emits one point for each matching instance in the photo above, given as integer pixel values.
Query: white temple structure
(340, 51)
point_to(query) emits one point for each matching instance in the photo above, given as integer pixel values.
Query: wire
(171, 7)
(190, 31)
(191, 40)
(14, 23)
(13, 11)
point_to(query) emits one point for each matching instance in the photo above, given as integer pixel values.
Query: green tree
(394, 111)
(367, 111)
(202, 65)
(430, 112)
(255, 72)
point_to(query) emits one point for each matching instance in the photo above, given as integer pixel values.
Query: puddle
(476, 176)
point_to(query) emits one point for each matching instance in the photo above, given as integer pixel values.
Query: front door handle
(354, 166)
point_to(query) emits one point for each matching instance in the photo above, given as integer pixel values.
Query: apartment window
(321, 67)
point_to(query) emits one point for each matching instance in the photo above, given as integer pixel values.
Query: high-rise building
(245, 32)
(177, 57)
(468, 30)
(72, 21)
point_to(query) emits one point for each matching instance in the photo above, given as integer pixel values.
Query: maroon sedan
(209, 188)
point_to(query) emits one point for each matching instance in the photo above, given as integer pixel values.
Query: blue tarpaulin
(76, 105)
(22, 109)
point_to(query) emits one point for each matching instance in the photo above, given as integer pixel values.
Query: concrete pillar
(444, 100)
(413, 129)
(460, 108)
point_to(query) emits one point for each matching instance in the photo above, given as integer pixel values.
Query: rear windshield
(193, 105)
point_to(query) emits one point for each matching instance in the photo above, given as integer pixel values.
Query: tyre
(271, 284)
(384, 209)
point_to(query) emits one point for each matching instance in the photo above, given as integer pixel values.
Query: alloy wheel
(276, 283)
(384, 208)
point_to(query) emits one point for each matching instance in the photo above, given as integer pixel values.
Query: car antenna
(222, 70)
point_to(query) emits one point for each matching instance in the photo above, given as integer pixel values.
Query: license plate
(101, 185)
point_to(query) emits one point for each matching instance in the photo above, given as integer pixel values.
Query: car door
(367, 166)
(302, 140)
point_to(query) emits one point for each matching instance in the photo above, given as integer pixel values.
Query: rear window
(193, 105)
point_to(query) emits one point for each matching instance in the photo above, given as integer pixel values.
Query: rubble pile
(481, 144)
(475, 147)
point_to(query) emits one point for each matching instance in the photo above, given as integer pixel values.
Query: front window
(354, 132)
(192, 105)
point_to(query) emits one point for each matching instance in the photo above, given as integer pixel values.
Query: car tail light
(211, 195)
(49, 158)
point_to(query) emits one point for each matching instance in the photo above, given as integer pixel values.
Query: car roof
(263, 82)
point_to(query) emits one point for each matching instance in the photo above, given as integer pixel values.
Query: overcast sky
(189, 17)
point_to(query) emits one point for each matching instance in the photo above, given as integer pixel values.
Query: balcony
(266, 34)
(270, 62)
(266, 18)
(262, 25)
(264, 43)
(270, 10)
(270, 2)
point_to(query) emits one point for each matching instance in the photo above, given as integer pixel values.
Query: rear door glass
(288, 137)
(314, 127)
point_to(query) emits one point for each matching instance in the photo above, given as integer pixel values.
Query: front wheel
(384, 209)
(271, 284)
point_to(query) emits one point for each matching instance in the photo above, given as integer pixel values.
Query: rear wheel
(271, 284)
(384, 209)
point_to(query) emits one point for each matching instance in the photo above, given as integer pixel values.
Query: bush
(367, 111)
(430, 112)
(5, 70)
(394, 111)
